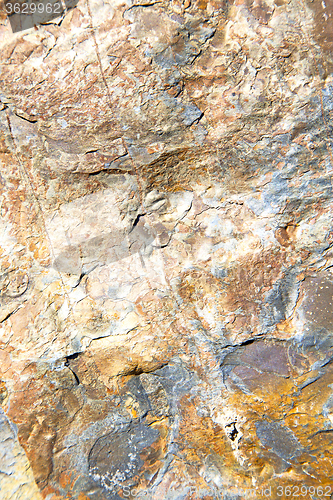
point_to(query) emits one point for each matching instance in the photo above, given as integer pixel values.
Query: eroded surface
(166, 255)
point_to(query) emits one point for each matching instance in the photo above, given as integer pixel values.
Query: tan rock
(165, 251)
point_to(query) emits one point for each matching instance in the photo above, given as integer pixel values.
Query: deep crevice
(31, 120)
(67, 363)
(232, 431)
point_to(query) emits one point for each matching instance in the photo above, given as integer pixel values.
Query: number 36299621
(32, 8)
(303, 491)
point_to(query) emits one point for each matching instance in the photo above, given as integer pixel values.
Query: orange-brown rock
(166, 286)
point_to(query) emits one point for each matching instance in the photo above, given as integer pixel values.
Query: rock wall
(166, 252)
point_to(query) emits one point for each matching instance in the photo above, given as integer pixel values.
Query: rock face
(166, 252)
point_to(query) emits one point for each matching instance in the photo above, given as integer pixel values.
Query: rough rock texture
(166, 252)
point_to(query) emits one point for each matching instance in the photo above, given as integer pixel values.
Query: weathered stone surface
(17, 480)
(166, 282)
